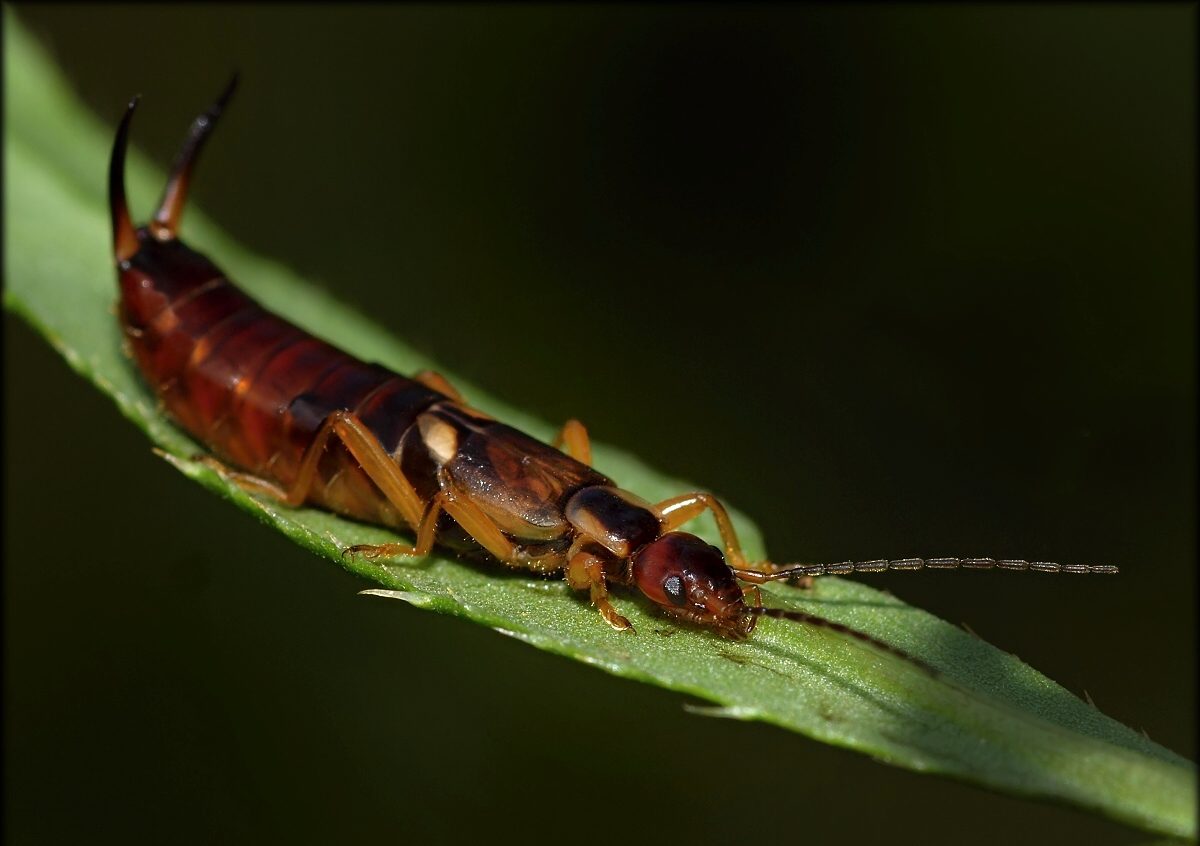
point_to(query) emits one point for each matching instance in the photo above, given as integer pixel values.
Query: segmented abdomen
(252, 386)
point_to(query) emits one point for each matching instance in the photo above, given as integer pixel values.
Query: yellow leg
(573, 440)
(424, 540)
(382, 469)
(245, 481)
(468, 515)
(585, 572)
(365, 448)
(438, 382)
(680, 509)
(482, 529)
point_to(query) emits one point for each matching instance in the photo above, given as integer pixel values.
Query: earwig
(291, 417)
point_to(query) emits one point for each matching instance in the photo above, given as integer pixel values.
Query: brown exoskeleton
(290, 416)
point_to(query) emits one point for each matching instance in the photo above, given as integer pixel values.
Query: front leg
(438, 382)
(586, 572)
(680, 509)
(573, 439)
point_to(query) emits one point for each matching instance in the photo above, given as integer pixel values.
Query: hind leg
(573, 440)
(366, 449)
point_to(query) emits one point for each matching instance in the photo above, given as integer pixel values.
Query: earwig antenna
(884, 564)
(170, 209)
(125, 242)
(821, 622)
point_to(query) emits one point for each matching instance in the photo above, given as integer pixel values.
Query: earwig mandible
(291, 417)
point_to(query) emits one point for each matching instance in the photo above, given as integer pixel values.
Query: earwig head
(689, 578)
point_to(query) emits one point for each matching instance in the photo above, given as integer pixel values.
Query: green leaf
(988, 718)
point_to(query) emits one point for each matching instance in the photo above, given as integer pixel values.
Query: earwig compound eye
(673, 588)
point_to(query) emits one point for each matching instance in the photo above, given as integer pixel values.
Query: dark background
(895, 281)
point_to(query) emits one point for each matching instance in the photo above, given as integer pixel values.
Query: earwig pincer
(289, 416)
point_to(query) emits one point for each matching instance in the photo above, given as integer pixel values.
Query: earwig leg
(574, 436)
(385, 473)
(245, 481)
(378, 464)
(424, 541)
(484, 531)
(680, 509)
(366, 449)
(586, 572)
(438, 382)
(480, 527)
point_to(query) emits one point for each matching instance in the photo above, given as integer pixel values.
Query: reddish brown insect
(307, 423)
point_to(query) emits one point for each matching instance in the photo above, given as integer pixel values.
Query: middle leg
(481, 528)
(573, 440)
(438, 382)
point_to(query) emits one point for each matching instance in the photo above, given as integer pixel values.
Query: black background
(895, 281)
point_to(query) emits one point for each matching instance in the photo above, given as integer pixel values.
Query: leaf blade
(991, 719)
